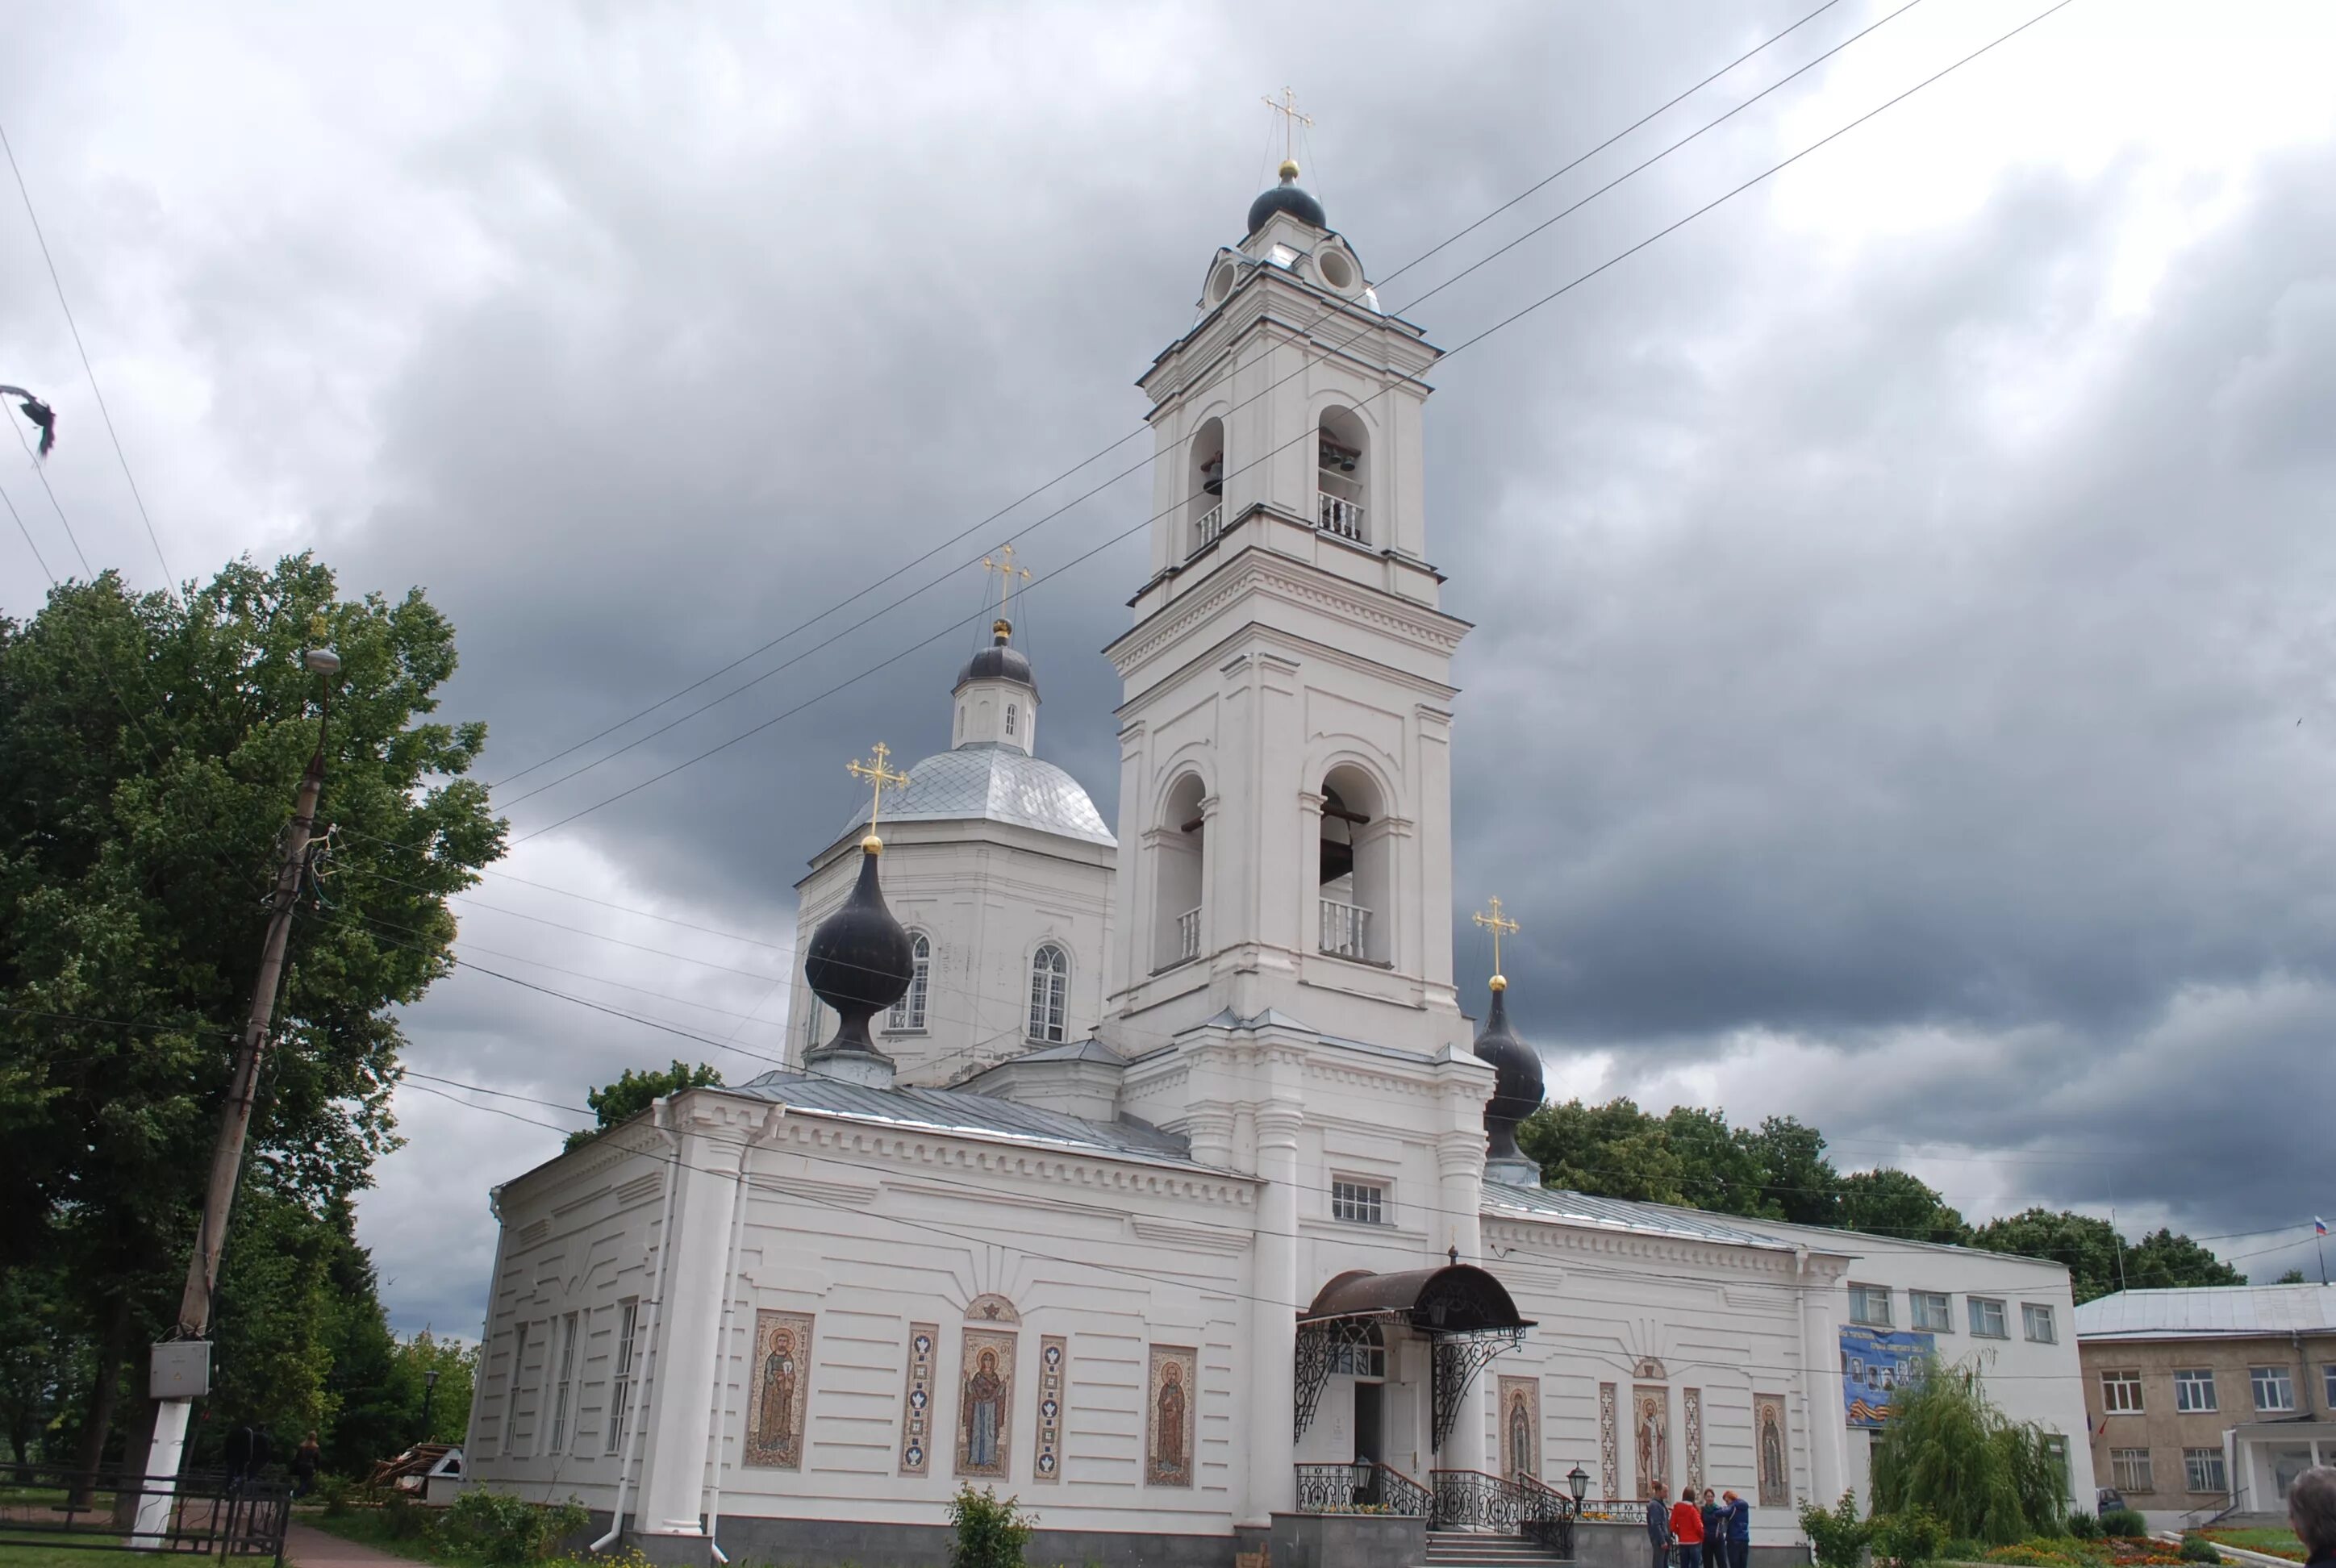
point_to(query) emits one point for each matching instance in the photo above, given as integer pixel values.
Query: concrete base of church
(674, 1551)
(1600, 1544)
(835, 1542)
(1349, 1541)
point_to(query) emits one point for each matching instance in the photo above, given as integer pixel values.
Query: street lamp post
(429, 1389)
(154, 1503)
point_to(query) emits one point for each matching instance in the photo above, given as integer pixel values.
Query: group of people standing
(1716, 1532)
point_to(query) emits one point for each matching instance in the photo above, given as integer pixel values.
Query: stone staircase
(1467, 1549)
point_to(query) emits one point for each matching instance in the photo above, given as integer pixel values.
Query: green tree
(1892, 1202)
(2090, 1247)
(2292, 1277)
(1614, 1150)
(1798, 1183)
(635, 1091)
(148, 750)
(1719, 1165)
(2164, 1258)
(1946, 1448)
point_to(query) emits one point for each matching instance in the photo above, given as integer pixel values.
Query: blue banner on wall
(1875, 1363)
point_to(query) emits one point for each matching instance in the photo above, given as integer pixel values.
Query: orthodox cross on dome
(880, 779)
(1003, 565)
(1287, 107)
(1499, 926)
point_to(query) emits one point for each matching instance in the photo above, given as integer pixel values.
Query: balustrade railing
(1213, 524)
(1346, 930)
(1362, 1487)
(1188, 935)
(1336, 514)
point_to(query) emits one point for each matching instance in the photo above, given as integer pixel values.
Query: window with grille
(1050, 986)
(1987, 1319)
(2130, 1468)
(1358, 1202)
(2121, 1393)
(2037, 1324)
(1011, 716)
(620, 1388)
(909, 1012)
(2194, 1391)
(1870, 1305)
(2202, 1470)
(1930, 1311)
(565, 1329)
(2275, 1388)
(1359, 1361)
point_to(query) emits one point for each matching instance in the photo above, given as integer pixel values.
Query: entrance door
(2287, 1463)
(1370, 1421)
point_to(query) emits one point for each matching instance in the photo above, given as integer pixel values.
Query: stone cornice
(810, 1133)
(1253, 571)
(1554, 1236)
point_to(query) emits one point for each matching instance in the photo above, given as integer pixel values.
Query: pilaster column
(1309, 909)
(1821, 1355)
(1272, 1398)
(673, 1467)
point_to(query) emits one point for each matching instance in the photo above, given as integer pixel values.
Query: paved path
(313, 1548)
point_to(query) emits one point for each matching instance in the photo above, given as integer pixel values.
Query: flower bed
(2067, 1551)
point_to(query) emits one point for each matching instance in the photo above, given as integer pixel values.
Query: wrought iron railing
(1362, 1487)
(1346, 929)
(53, 1507)
(1545, 1516)
(1616, 1510)
(1336, 514)
(1188, 935)
(1472, 1500)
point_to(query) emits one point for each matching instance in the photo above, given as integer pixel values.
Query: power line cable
(41, 559)
(170, 582)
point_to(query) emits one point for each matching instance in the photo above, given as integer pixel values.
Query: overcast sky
(1901, 694)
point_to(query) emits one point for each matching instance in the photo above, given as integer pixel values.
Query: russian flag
(2318, 1226)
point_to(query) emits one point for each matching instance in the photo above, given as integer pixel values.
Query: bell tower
(1285, 796)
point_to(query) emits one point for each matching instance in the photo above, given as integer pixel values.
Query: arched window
(909, 1012)
(1353, 874)
(1204, 483)
(1177, 858)
(1342, 475)
(1050, 987)
(1011, 713)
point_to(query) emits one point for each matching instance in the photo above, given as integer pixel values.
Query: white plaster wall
(987, 895)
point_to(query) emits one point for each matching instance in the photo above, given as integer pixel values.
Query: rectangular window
(565, 1329)
(1987, 1319)
(621, 1388)
(1359, 1360)
(1358, 1202)
(2275, 1388)
(2037, 1324)
(2194, 1392)
(2328, 1388)
(1869, 1305)
(2121, 1393)
(2202, 1470)
(1931, 1311)
(515, 1441)
(2130, 1469)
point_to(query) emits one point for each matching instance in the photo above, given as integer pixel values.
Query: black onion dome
(1000, 661)
(1287, 196)
(859, 963)
(1517, 1091)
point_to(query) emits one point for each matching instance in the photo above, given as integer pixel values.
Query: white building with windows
(1158, 1179)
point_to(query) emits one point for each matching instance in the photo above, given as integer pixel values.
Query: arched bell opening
(1204, 483)
(1342, 475)
(1178, 850)
(1353, 869)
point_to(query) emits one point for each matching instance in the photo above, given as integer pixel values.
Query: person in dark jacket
(1738, 1515)
(1659, 1529)
(1714, 1547)
(1686, 1529)
(304, 1466)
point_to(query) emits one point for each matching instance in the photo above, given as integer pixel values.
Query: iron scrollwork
(1319, 1344)
(1472, 1500)
(1363, 1486)
(1458, 1358)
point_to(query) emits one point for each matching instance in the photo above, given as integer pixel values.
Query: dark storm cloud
(1886, 651)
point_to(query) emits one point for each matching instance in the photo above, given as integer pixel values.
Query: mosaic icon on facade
(782, 1384)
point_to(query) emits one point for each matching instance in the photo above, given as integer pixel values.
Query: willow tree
(1948, 1449)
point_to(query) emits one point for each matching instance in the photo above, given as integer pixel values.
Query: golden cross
(1291, 121)
(1006, 571)
(880, 778)
(1499, 926)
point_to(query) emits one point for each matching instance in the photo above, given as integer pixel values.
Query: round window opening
(1220, 283)
(1338, 268)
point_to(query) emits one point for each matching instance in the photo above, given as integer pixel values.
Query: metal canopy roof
(1458, 1299)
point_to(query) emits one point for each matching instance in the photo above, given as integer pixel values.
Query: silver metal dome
(994, 784)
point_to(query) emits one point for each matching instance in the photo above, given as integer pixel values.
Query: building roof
(970, 1116)
(1620, 1214)
(990, 783)
(2209, 1312)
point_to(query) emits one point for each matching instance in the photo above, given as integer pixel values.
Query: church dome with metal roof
(1001, 661)
(1287, 196)
(992, 782)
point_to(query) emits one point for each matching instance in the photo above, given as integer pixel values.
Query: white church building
(1157, 1177)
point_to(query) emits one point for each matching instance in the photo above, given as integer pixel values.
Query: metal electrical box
(181, 1369)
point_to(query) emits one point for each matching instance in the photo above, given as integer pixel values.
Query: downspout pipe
(764, 1134)
(660, 1117)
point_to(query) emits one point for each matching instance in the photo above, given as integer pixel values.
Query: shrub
(1965, 1550)
(1913, 1537)
(2084, 1526)
(2198, 1549)
(405, 1521)
(334, 1491)
(987, 1532)
(1837, 1534)
(2124, 1522)
(501, 1531)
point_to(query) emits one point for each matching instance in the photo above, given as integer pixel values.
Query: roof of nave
(1622, 1214)
(2209, 1310)
(995, 783)
(967, 1114)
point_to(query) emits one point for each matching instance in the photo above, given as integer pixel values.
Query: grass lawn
(2277, 1543)
(33, 1554)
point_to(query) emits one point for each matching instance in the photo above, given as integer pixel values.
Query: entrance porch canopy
(1463, 1311)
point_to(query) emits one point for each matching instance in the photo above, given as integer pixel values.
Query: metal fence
(209, 1513)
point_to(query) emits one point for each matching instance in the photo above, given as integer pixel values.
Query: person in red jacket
(1686, 1529)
